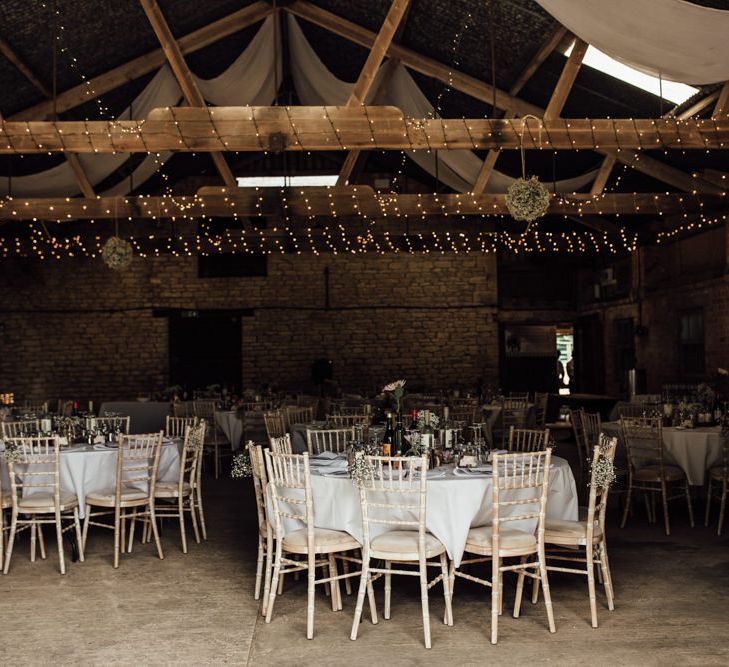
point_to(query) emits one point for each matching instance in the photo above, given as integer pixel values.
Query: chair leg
(607, 577)
(11, 541)
(79, 540)
(155, 532)
(545, 588)
(193, 518)
(347, 582)
(32, 542)
(310, 595)
(85, 531)
(371, 600)
(274, 582)
(688, 502)
(181, 513)
(132, 527)
(446, 589)
(364, 583)
(268, 573)
(708, 503)
(201, 512)
(117, 521)
(722, 507)
(259, 570)
(495, 593)
(590, 554)
(424, 602)
(216, 463)
(535, 590)
(59, 539)
(519, 589)
(628, 498)
(336, 591)
(664, 498)
(388, 590)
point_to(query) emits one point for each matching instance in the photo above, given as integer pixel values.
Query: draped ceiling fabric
(679, 40)
(458, 169)
(250, 80)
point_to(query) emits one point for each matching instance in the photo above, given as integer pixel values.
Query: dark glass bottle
(414, 422)
(400, 443)
(388, 438)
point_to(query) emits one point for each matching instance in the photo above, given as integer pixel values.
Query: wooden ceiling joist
(219, 129)
(721, 110)
(566, 80)
(129, 71)
(342, 202)
(182, 73)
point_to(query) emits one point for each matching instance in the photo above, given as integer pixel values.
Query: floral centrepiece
(241, 466)
(12, 452)
(396, 390)
(432, 419)
(117, 253)
(603, 470)
(527, 199)
(360, 468)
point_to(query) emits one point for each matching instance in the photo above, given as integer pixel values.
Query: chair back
(349, 420)
(521, 397)
(281, 445)
(345, 410)
(540, 408)
(520, 489)
(205, 409)
(256, 406)
(299, 415)
(260, 481)
(19, 429)
(183, 409)
(591, 428)
(527, 439)
(137, 462)
(579, 432)
(33, 467)
(275, 423)
(643, 438)
(111, 424)
(463, 413)
(176, 427)
(289, 484)
(597, 504)
(635, 410)
(328, 440)
(191, 454)
(393, 496)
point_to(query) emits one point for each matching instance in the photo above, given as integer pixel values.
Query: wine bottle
(388, 438)
(400, 443)
(74, 411)
(426, 433)
(414, 422)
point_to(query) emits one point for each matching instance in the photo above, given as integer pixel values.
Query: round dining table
(85, 469)
(456, 501)
(694, 450)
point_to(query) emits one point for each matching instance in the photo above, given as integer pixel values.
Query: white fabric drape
(457, 169)
(250, 80)
(679, 40)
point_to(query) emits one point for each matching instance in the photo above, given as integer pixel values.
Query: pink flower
(398, 384)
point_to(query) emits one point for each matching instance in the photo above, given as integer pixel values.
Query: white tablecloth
(232, 425)
(85, 469)
(694, 450)
(454, 504)
(146, 416)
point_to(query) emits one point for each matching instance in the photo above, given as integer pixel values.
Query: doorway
(205, 348)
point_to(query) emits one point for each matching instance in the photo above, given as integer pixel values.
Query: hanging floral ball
(527, 199)
(117, 253)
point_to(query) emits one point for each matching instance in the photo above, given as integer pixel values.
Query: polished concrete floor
(671, 608)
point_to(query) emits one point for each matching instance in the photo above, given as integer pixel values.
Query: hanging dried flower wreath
(117, 253)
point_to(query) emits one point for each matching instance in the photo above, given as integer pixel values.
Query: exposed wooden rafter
(182, 73)
(566, 80)
(350, 201)
(721, 110)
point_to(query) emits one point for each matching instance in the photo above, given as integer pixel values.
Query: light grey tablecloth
(454, 504)
(146, 416)
(87, 469)
(694, 450)
(232, 425)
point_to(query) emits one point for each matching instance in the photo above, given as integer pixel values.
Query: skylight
(286, 181)
(672, 91)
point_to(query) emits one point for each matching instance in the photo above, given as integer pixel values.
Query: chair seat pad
(107, 497)
(404, 544)
(653, 474)
(717, 472)
(40, 500)
(325, 541)
(171, 489)
(559, 531)
(518, 541)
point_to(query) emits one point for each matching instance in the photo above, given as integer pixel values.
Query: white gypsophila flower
(117, 253)
(527, 199)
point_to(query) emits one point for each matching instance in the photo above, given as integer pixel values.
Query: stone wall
(73, 328)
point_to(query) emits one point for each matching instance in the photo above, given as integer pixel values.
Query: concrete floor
(671, 607)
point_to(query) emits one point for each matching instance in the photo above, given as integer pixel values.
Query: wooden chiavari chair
(176, 427)
(395, 491)
(527, 439)
(513, 413)
(328, 440)
(183, 409)
(289, 484)
(136, 480)
(178, 497)
(299, 415)
(34, 407)
(215, 439)
(35, 493)
(275, 423)
(588, 534)
(720, 474)
(21, 428)
(520, 488)
(349, 420)
(112, 424)
(264, 562)
(540, 409)
(648, 471)
(520, 397)
(281, 445)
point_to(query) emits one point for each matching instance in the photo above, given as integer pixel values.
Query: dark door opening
(589, 355)
(205, 349)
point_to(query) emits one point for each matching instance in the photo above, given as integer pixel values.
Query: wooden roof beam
(566, 80)
(721, 109)
(182, 73)
(138, 67)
